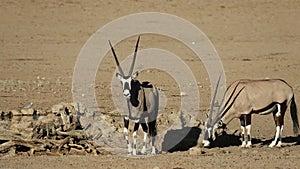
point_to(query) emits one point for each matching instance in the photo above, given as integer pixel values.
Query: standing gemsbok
(245, 97)
(142, 101)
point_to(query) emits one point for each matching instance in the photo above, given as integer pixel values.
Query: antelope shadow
(228, 140)
(223, 140)
(289, 139)
(181, 139)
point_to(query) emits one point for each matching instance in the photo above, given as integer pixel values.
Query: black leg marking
(126, 122)
(145, 127)
(153, 133)
(246, 128)
(136, 126)
(243, 126)
(152, 128)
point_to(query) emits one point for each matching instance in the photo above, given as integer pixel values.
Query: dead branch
(57, 133)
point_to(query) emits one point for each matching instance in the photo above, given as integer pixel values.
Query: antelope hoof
(272, 144)
(205, 143)
(134, 152)
(243, 144)
(129, 150)
(153, 151)
(279, 144)
(249, 145)
(143, 152)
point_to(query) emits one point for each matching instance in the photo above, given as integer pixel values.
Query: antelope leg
(277, 119)
(276, 137)
(145, 129)
(281, 122)
(243, 124)
(280, 137)
(152, 132)
(243, 137)
(248, 128)
(134, 135)
(126, 132)
(249, 143)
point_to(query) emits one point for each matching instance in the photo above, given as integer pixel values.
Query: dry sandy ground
(40, 42)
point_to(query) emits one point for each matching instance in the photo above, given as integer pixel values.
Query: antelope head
(211, 124)
(211, 131)
(209, 134)
(214, 123)
(126, 80)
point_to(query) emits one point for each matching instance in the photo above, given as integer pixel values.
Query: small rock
(41, 113)
(57, 108)
(226, 152)
(183, 94)
(27, 112)
(15, 112)
(244, 151)
(28, 105)
(194, 151)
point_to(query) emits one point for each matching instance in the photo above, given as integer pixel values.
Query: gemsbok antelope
(246, 97)
(142, 101)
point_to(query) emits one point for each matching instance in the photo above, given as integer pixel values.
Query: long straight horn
(134, 56)
(233, 96)
(116, 59)
(214, 99)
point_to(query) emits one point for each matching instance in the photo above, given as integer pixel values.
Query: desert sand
(41, 40)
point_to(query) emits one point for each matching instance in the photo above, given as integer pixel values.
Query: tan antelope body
(246, 97)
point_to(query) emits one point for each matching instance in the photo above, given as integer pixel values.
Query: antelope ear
(119, 76)
(135, 75)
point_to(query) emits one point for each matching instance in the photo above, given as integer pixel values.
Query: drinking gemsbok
(246, 97)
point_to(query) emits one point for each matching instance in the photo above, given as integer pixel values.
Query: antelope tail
(294, 116)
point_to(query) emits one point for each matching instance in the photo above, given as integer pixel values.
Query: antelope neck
(136, 92)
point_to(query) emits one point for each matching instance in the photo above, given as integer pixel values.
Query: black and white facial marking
(211, 132)
(126, 79)
(126, 82)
